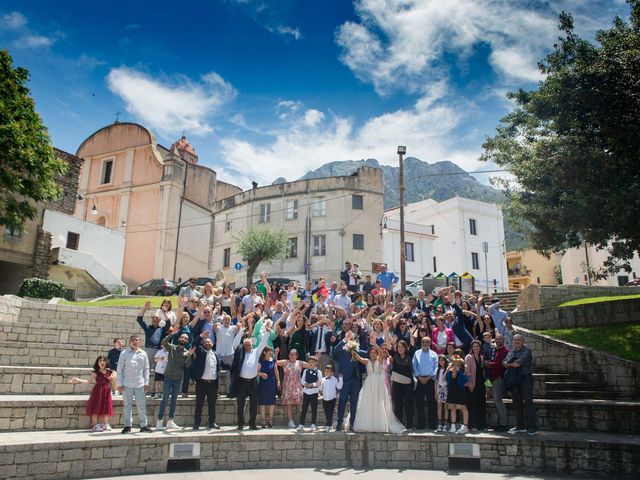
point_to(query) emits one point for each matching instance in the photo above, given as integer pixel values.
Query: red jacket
(434, 339)
(497, 370)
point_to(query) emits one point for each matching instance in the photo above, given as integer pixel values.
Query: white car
(414, 287)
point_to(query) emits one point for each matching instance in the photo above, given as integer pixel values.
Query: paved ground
(321, 474)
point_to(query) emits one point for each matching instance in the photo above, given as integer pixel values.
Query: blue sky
(275, 88)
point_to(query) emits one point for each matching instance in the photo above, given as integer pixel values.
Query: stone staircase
(42, 346)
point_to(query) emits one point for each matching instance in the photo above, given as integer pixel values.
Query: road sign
(238, 266)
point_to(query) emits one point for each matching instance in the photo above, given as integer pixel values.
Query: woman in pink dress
(291, 385)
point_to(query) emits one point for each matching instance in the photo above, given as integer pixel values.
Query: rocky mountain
(440, 181)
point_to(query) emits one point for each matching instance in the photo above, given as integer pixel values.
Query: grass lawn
(621, 340)
(133, 301)
(584, 301)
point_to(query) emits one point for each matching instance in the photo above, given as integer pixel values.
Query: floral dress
(292, 387)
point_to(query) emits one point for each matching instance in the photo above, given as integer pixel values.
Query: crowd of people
(429, 361)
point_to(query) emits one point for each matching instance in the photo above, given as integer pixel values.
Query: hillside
(440, 181)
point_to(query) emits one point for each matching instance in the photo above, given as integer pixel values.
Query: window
(292, 209)
(435, 265)
(357, 202)
(292, 247)
(473, 228)
(319, 207)
(227, 225)
(226, 259)
(12, 232)
(319, 245)
(408, 251)
(107, 171)
(265, 212)
(475, 263)
(73, 239)
(358, 241)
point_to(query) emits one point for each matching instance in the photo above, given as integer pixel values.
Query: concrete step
(80, 454)
(50, 412)
(51, 354)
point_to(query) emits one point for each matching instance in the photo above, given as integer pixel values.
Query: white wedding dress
(375, 413)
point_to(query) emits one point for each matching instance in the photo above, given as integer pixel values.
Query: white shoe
(159, 425)
(439, 429)
(97, 428)
(313, 427)
(172, 425)
(453, 428)
(292, 424)
(327, 429)
(300, 428)
(462, 430)
(106, 427)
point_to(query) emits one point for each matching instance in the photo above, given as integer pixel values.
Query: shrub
(41, 288)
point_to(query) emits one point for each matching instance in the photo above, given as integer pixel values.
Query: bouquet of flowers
(352, 346)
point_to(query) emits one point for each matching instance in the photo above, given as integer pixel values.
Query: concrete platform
(79, 454)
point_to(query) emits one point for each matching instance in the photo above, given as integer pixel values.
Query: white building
(460, 227)
(327, 220)
(419, 241)
(574, 271)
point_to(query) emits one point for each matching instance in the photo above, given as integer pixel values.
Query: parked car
(157, 286)
(200, 281)
(414, 287)
(633, 283)
(281, 281)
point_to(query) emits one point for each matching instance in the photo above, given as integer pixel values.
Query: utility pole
(586, 256)
(485, 249)
(403, 273)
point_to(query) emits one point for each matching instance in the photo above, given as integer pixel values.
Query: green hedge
(40, 288)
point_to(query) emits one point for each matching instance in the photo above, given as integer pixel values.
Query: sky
(265, 89)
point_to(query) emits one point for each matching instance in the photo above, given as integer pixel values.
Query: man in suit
(244, 376)
(320, 342)
(462, 336)
(351, 380)
(205, 370)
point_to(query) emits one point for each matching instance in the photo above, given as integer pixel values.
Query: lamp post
(383, 224)
(485, 249)
(402, 150)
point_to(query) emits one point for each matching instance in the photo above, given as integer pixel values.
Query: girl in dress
(291, 386)
(441, 393)
(99, 406)
(374, 411)
(456, 396)
(269, 382)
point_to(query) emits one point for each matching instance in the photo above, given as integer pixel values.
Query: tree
(572, 145)
(261, 245)
(28, 164)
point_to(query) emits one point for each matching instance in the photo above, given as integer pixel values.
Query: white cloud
(401, 44)
(13, 21)
(35, 41)
(171, 106)
(285, 30)
(312, 117)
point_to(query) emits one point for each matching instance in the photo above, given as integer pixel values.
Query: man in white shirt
(244, 376)
(498, 314)
(250, 301)
(206, 371)
(133, 381)
(342, 300)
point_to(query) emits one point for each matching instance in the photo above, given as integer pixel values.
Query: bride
(375, 413)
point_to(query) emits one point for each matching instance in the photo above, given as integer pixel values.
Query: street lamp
(383, 224)
(94, 210)
(402, 150)
(485, 249)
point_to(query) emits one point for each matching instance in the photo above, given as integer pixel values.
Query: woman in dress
(441, 336)
(402, 384)
(374, 411)
(292, 386)
(165, 313)
(298, 335)
(269, 382)
(208, 295)
(99, 406)
(476, 402)
(225, 299)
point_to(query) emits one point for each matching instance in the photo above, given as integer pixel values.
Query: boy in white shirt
(311, 381)
(161, 358)
(329, 386)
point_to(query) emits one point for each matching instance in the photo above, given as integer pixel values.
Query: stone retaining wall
(617, 374)
(535, 297)
(589, 315)
(110, 456)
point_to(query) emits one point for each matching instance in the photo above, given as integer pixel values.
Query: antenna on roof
(117, 117)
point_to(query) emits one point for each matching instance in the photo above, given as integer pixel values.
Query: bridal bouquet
(352, 346)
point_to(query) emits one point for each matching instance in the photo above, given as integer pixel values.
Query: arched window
(102, 221)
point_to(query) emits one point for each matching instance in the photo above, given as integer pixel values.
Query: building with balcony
(528, 267)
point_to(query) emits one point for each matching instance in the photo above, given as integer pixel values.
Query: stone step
(51, 354)
(65, 334)
(578, 394)
(80, 454)
(51, 412)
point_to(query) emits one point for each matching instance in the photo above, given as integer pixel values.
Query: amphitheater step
(29, 412)
(79, 454)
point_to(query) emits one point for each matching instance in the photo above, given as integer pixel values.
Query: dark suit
(351, 382)
(460, 329)
(205, 388)
(241, 388)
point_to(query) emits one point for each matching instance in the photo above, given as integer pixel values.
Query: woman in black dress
(476, 402)
(402, 384)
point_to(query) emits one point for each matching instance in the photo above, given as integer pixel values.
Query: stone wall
(114, 455)
(69, 183)
(593, 314)
(535, 297)
(619, 375)
(41, 254)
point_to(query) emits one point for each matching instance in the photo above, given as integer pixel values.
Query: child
(161, 359)
(113, 356)
(329, 387)
(311, 381)
(456, 400)
(99, 405)
(441, 393)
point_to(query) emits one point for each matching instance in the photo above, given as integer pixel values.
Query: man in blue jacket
(205, 370)
(349, 370)
(460, 330)
(388, 279)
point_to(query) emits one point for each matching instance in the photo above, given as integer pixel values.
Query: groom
(349, 370)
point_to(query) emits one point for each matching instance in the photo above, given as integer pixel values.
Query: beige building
(327, 221)
(575, 260)
(528, 267)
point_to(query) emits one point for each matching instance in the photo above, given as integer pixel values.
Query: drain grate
(183, 465)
